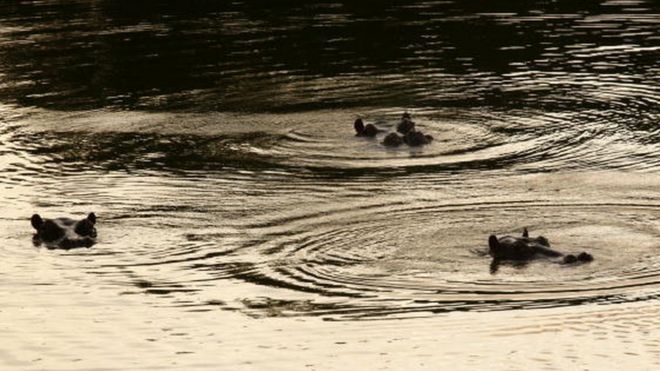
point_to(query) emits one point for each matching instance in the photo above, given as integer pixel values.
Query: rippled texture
(296, 55)
(237, 209)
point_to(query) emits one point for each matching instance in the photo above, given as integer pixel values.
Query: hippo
(364, 131)
(416, 138)
(526, 248)
(406, 124)
(410, 137)
(392, 140)
(406, 127)
(64, 233)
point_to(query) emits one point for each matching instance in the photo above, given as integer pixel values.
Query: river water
(242, 225)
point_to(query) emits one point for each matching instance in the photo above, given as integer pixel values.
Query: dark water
(299, 55)
(214, 141)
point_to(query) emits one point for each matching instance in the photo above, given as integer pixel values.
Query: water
(237, 211)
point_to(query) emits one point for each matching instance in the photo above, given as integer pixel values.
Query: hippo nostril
(69, 243)
(585, 257)
(66, 243)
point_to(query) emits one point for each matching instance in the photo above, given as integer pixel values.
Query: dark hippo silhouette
(64, 233)
(364, 131)
(416, 138)
(392, 140)
(410, 137)
(525, 248)
(406, 124)
(406, 127)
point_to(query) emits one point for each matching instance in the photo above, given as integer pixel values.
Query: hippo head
(406, 125)
(364, 131)
(64, 233)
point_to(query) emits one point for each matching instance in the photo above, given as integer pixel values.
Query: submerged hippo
(526, 248)
(64, 233)
(406, 124)
(416, 138)
(364, 131)
(410, 136)
(392, 140)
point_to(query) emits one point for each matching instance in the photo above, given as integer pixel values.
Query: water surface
(237, 211)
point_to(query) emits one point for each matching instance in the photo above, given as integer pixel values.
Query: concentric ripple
(465, 139)
(381, 233)
(214, 141)
(236, 182)
(392, 259)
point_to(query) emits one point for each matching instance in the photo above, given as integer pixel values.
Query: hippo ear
(543, 241)
(525, 233)
(359, 126)
(92, 218)
(36, 221)
(493, 243)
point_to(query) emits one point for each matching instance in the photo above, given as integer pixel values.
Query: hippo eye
(85, 228)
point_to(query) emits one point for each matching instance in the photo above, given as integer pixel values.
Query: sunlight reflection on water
(238, 211)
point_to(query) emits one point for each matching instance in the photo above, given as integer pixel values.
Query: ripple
(365, 246)
(465, 140)
(391, 261)
(382, 234)
(215, 145)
